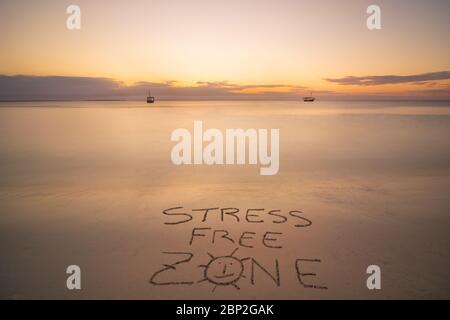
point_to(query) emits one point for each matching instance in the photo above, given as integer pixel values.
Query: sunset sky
(234, 46)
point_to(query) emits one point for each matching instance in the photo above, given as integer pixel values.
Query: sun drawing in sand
(224, 270)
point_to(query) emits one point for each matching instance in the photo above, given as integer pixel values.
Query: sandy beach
(86, 183)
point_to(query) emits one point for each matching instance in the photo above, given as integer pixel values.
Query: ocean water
(86, 183)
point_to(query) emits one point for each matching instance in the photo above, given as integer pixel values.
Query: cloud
(422, 78)
(24, 87)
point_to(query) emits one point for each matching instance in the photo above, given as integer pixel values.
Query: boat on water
(309, 98)
(150, 98)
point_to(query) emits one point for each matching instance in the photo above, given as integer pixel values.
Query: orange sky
(288, 42)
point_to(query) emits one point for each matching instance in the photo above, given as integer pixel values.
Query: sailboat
(150, 98)
(309, 98)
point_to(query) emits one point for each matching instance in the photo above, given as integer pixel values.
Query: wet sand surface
(86, 183)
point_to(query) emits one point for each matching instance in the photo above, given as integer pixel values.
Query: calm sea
(86, 182)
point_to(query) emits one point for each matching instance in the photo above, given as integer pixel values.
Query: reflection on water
(88, 181)
(273, 107)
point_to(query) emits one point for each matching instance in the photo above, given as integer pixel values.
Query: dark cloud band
(391, 79)
(22, 87)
